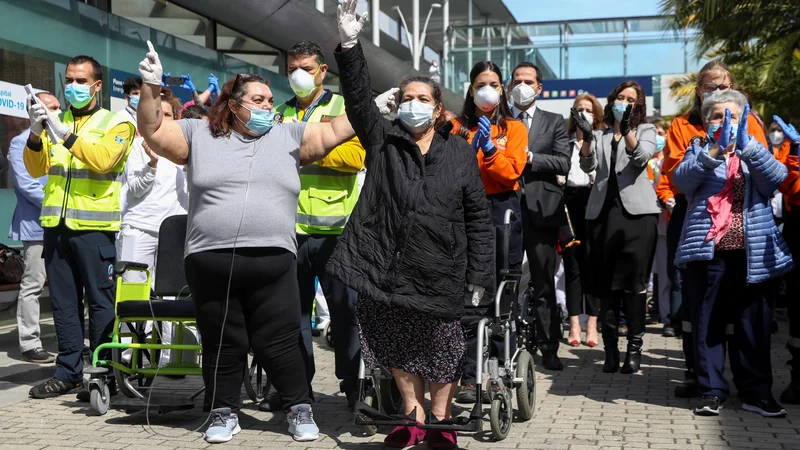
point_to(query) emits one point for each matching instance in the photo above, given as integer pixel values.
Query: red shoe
(591, 344)
(402, 437)
(442, 439)
(574, 343)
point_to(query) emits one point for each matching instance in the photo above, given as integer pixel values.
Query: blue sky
(541, 10)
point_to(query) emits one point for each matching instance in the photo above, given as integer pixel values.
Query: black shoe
(551, 361)
(350, 389)
(687, 389)
(611, 364)
(633, 359)
(791, 394)
(767, 407)
(53, 388)
(668, 332)
(466, 395)
(272, 402)
(709, 405)
(38, 355)
(83, 392)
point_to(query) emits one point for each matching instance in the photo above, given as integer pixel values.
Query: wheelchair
(380, 403)
(135, 306)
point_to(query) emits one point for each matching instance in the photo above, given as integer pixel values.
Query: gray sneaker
(301, 423)
(223, 426)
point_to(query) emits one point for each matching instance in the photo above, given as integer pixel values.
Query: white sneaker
(223, 426)
(301, 423)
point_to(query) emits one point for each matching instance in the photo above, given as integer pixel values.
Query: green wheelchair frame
(138, 291)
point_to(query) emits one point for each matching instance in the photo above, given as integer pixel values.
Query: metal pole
(469, 35)
(376, 22)
(423, 38)
(321, 6)
(415, 17)
(625, 48)
(444, 63)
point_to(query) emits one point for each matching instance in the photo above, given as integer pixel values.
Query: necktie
(525, 118)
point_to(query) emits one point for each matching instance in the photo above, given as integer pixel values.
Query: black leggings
(263, 314)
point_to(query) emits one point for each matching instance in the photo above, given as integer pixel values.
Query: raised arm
(767, 173)
(695, 168)
(164, 137)
(641, 148)
(369, 124)
(320, 138)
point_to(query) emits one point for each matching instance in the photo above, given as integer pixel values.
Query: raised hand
(387, 102)
(187, 83)
(150, 68)
(349, 25)
(725, 132)
(213, 84)
(485, 127)
(625, 123)
(37, 113)
(742, 137)
(582, 124)
(788, 130)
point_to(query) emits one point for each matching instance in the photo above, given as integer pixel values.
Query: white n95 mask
(302, 83)
(487, 98)
(416, 116)
(523, 95)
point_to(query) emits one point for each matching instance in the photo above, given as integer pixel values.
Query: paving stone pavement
(579, 408)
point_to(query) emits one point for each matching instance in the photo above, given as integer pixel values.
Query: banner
(599, 87)
(12, 100)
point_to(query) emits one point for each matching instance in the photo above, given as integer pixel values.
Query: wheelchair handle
(509, 217)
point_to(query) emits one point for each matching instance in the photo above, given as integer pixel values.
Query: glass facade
(574, 49)
(40, 36)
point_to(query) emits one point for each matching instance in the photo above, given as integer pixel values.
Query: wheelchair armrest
(122, 266)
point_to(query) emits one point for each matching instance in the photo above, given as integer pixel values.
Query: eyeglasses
(716, 87)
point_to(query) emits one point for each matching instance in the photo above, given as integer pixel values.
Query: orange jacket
(680, 134)
(790, 188)
(501, 171)
(782, 152)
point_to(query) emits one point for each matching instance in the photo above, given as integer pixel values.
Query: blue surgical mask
(660, 142)
(619, 109)
(416, 116)
(713, 128)
(78, 95)
(261, 120)
(134, 102)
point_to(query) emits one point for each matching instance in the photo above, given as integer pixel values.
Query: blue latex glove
(788, 130)
(164, 79)
(187, 83)
(213, 84)
(485, 126)
(725, 132)
(477, 139)
(742, 138)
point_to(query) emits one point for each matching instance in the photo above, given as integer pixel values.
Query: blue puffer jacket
(699, 176)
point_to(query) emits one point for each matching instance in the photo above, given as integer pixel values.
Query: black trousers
(540, 245)
(263, 313)
(791, 234)
(679, 298)
(78, 264)
(720, 296)
(313, 252)
(574, 257)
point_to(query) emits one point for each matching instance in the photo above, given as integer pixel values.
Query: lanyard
(310, 108)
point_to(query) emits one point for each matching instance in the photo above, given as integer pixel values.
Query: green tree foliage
(758, 39)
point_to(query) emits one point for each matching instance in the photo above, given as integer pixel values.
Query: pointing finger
(150, 46)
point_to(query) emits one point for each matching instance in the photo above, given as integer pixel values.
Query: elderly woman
(420, 234)
(622, 218)
(244, 182)
(732, 252)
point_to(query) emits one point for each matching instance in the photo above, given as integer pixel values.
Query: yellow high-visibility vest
(83, 198)
(327, 196)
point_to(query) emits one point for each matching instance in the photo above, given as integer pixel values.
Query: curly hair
(639, 111)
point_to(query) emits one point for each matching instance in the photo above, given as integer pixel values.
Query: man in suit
(543, 204)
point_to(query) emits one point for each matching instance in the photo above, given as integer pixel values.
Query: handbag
(11, 265)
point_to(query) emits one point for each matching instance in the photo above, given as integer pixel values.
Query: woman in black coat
(420, 234)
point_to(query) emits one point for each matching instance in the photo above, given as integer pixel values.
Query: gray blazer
(636, 192)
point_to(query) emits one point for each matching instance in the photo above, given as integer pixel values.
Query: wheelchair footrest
(367, 415)
(159, 404)
(467, 424)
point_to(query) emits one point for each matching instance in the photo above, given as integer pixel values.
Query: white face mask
(776, 137)
(302, 83)
(523, 95)
(486, 98)
(588, 117)
(416, 116)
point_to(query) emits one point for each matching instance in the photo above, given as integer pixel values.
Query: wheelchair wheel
(369, 400)
(526, 392)
(500, 417)
(256, 383)
(326, 334)
(136, 380)
(390, 400)
(100, 399)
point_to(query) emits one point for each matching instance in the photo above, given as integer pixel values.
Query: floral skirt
(417, 343)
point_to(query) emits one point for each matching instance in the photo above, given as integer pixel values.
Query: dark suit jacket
(549, 143)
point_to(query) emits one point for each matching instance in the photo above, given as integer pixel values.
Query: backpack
(11, 265)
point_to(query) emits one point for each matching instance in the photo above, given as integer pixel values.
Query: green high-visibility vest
(327, 196)
(85, 199)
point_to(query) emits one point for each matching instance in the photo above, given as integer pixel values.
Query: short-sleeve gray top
(217, 174)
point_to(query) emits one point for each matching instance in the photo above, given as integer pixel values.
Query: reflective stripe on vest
(327, 196)
(83, 198)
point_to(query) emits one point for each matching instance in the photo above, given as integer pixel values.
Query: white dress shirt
(528, 120)
(576, 176)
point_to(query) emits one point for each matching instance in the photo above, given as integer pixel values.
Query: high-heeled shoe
(591, 344)
(574, 343)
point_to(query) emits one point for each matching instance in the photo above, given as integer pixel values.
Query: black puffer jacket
(422, 228)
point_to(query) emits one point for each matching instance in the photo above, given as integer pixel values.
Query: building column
(445, 67)
(376, 22)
